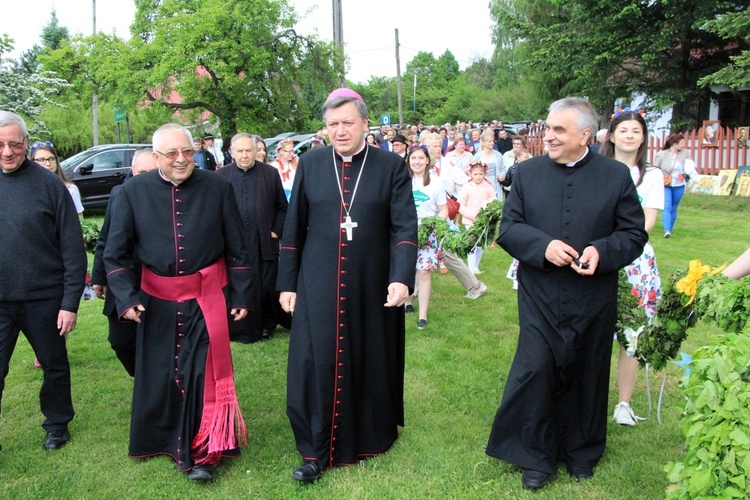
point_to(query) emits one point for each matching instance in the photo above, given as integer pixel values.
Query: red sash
(222, 426)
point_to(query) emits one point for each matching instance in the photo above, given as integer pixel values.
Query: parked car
(97, 170)
(301, 144)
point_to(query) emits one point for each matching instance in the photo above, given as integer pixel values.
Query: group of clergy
(191, 259)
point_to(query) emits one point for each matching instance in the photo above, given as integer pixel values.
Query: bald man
(121, 334)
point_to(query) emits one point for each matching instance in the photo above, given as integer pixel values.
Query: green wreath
(686, 297)
(485, 229)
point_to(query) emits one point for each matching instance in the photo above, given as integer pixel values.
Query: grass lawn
(455, 373)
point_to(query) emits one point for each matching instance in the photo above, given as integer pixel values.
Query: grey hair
(156, 140)
(243, 135)
(8, 118)
(587, 118)
(142, 151)
(341, 100)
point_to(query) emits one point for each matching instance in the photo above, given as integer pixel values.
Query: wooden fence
(727, 154)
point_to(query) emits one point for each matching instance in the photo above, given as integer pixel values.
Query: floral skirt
(427, 256)
(643, 275)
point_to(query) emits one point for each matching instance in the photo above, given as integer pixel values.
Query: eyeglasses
(50, 159)
(172, 155)
(14, 146)
(287, 151)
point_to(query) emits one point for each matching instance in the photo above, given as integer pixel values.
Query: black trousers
(38, 321)
(122, 338)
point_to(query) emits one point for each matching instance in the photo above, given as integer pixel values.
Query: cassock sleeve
(236, 253)
(403, 228)
(118, 255)
(72, 250)
(522, 241)
(626, 241)
(98, 273)
(295, 233)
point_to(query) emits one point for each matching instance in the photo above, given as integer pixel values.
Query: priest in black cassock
(263, 206)
(572, 219)
(346, 267)
(184, 226)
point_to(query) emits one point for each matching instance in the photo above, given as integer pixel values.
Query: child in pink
(474, 196)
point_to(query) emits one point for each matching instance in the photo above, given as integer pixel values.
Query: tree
(28, 95)
(240, 60)
(52, 36)
(732, 25)
(609, 48)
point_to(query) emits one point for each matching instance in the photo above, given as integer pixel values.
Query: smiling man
(347, 265)
(184, 226)
(572, 219)
(42, 272)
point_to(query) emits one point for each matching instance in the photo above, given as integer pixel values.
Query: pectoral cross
(348, 225)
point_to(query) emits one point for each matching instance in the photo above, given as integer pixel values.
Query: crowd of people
(326, 245)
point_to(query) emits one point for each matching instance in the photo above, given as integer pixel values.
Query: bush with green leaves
(91, 230)
(716, 423)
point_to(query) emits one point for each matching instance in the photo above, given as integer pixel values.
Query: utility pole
(398, 85)
(338, 38)
(95, 99)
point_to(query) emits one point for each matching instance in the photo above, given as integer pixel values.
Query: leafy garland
(659, 342)
(485, 228)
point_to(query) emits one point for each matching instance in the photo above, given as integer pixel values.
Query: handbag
(453, 205)
(667, 180)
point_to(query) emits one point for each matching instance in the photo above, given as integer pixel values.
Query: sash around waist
(175, 288)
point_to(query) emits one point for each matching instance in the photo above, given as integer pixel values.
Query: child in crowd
(474, 196)
(521, 156)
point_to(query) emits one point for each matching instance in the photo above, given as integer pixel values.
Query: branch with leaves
(485, 229)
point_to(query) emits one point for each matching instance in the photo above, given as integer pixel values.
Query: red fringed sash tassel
(222, 426)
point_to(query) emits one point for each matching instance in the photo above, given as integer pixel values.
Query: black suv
(97, 170)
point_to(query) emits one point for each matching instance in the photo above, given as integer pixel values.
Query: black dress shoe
(56, 439)
(307, 472)
(580, 473)
(266, 335)
(202, 473)
(534, 479)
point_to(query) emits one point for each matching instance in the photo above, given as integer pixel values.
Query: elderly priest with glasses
(184, 225)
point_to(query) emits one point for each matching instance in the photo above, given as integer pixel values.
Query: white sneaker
(477, 291)
(624, 414)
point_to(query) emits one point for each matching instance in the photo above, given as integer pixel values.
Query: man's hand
(238, 313)
(397, 295)
(134, 313)
(590, 256)
(66, 322)
(100, 291)
(288, 301)
(560, 253)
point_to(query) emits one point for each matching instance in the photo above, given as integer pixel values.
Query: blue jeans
(672, 197)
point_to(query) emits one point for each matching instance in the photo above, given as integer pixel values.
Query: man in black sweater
(42, 272)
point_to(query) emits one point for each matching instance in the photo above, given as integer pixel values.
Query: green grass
(455, 373)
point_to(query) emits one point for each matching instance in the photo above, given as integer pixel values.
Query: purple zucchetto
(344, 92)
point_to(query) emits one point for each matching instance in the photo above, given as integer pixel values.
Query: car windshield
(73, 160)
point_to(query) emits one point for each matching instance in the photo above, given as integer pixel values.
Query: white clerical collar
(573, 164)
(168, 180)
(349, 158)
(246, 169)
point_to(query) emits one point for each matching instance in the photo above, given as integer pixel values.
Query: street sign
(120, 114)
(385, 119)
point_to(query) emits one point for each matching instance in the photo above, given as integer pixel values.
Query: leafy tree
(732, 25)
(610, 48)
(52, 36)
(27, 95)
(242, 61)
